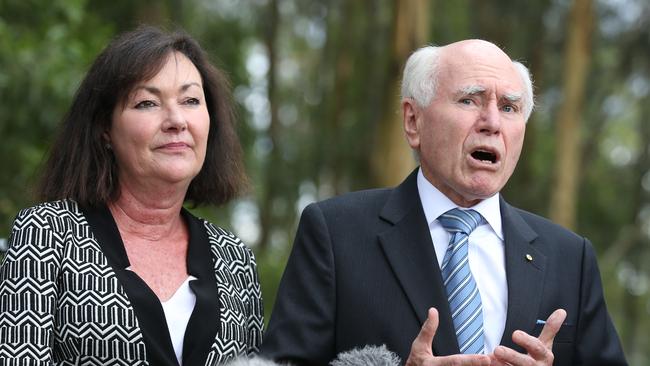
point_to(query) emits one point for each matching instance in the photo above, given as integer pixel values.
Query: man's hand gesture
(539, 349)
(421, 354)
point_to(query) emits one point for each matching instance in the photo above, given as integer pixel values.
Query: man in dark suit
(493, 285)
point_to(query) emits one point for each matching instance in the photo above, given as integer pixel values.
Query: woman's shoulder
(58, 216)
(219, 232)
(221, 238)
(53, 209)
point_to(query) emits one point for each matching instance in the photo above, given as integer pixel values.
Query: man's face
(470, 136)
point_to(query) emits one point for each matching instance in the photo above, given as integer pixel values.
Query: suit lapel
(409, 250)
(525, 277)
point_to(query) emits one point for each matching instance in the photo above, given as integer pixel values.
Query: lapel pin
(529, 257)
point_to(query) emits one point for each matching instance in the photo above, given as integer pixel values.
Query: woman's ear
(107, 140)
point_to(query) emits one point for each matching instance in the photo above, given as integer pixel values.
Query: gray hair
(421, 78)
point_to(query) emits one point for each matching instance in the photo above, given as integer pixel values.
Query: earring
(108, 146)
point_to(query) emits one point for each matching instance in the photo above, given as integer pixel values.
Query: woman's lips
(174, 146)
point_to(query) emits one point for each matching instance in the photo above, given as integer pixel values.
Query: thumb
(424, 340)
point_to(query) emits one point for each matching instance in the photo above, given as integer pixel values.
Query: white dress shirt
(486, 255)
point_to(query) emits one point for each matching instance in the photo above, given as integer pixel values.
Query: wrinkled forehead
(482, 64)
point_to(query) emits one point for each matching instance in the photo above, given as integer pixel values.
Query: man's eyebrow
(470, 90)
(477, 90)
(512, 97)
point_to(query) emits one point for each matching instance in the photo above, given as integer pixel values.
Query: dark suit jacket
(363, 270)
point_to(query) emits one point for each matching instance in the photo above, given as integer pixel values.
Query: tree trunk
(391, 158)
(271, 183)
(577, 54)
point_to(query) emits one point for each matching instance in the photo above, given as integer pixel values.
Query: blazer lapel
(409, 250)
(525, 272)
(146, 305)
(204, 322)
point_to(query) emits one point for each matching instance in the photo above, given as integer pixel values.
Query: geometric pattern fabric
(61, 302)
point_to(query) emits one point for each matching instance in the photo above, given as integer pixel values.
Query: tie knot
(457, 220)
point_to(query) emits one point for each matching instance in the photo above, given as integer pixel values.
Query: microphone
(368, 355)
(254, 361)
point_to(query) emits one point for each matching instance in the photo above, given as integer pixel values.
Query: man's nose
(490, 119)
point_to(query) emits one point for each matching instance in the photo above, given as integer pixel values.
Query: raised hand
(540, 350)
(421, 354)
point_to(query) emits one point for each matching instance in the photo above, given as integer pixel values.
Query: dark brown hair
(80, 167)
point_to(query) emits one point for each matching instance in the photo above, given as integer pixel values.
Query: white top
(178, 310)
(486, 255)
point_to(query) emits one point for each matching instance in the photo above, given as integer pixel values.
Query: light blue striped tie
(462, 292)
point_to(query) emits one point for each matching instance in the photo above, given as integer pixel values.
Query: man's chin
(473, 195)
(482, 186)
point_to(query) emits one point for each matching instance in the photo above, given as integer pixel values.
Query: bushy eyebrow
(478, 90)
(513, 98)
(470, 90)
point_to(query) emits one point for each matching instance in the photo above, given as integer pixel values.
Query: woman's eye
(192, 101)
(145, 104)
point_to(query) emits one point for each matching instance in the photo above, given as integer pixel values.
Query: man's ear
(410, 119)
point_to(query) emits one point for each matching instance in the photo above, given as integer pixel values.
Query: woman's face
(160, 134)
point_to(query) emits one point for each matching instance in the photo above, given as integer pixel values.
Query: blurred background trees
(317, 86)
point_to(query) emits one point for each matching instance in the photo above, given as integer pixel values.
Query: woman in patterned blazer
(111, 269)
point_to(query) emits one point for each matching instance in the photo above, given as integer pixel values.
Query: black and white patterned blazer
(67, 299)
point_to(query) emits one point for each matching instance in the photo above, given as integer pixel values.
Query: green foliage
(332, 67)
(43, 55)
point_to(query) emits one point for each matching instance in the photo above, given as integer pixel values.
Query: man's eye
(508, 108)
(145, 104)
(466, 101)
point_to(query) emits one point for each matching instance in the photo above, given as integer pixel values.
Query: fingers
(508, 356)
(424, 340)
(421, 353)
(534, 346)
(496, 362)
(552, 326)
(538, 349)
(463, 360)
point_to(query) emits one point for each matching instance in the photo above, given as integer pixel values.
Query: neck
(461, 200)
(149, 216)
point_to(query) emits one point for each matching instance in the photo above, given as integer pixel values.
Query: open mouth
(485, 156)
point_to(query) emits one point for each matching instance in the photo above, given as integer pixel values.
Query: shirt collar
(435, 203)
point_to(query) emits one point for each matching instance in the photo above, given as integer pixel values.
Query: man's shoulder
(368, 199)
(545, 227)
